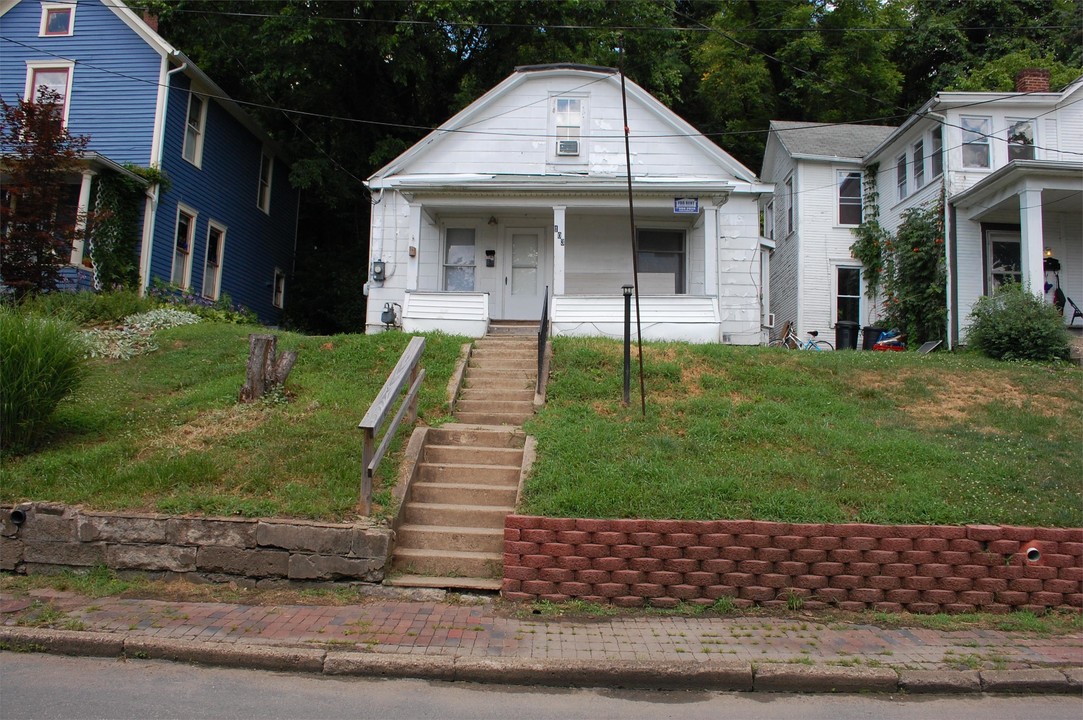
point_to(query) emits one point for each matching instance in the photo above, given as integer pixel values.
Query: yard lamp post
(627, 290)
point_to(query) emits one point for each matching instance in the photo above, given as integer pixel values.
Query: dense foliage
(1013, 324)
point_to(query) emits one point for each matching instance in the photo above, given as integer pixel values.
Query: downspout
(153, 199)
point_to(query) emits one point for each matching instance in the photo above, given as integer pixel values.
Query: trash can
(845, 335)
(870, 335)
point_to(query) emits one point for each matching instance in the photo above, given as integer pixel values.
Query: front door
(524, 274)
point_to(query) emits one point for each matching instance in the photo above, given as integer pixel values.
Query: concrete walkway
(430, 635)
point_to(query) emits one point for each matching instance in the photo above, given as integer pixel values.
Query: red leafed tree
(37, 221)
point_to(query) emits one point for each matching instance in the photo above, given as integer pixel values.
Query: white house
(527, 189)
(1010, 169)
(819, 180)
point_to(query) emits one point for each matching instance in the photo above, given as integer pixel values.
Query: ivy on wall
(116, 232)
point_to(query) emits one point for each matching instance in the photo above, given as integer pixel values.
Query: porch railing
(543, 338)
(406, 370)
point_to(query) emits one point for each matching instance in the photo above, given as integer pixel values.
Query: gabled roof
(807, 140)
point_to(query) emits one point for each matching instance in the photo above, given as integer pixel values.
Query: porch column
(80, 219)
(1031, 235)
(413, 251)
(558, 249)
(710, 249)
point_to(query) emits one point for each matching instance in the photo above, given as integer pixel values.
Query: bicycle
(790, 340)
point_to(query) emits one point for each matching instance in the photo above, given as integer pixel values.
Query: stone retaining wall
(890, 568)
(259, 552)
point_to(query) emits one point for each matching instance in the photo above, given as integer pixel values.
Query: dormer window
(57, 19)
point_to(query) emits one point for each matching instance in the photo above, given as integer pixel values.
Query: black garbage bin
(870, 335)
(846, 335)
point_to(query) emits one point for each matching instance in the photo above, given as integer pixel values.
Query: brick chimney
(1032, 80)
(152, 20)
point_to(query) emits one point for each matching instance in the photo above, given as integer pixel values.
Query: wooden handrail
(406, 370)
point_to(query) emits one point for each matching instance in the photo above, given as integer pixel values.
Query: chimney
(1032, 80)
(151, 20)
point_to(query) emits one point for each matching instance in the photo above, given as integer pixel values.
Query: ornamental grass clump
(41, 363)
(1013, 324)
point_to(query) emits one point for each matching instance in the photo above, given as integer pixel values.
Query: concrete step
(516, 395)
(503, 419)
(525, 407)
(457, 434)
(464, 454)
(509, 365)
(491, 381)
(524, 353)
(500, 475)
(452, 493)
(445, 583)
(449, 563)
(514, 328)
(439, 537)
(488, 516)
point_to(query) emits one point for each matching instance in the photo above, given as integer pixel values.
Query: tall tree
(39, 157)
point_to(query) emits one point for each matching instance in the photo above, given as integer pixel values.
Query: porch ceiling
(996, 198)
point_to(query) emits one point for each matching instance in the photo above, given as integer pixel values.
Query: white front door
(524, 273)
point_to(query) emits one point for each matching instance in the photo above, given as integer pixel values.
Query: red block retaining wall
(891, 568)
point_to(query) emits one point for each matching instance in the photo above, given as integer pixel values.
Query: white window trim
(584, 125)
(839, 177)
(769, 219)
(264, 202)
(33, 66)
(791, 205)
(276, 300)
(847, 264)
(919, 163)
(197, 158)
(46, 7)
(685, 252)
(212, 226)
(902, 178)
(194, 214)
(936, 149)
(985, 140)
(1011, 122)
(474, 224)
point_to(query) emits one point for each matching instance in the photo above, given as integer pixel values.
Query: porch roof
(996, 197)
(562, 183)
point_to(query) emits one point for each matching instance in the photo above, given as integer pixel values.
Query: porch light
(1049, 252)
(492, 219)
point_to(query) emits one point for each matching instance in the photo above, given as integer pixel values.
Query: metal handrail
(543, 338)
(407, 369)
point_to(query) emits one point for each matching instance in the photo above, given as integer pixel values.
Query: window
(193, 133)
(849, 197)
(919, 165)
(57, 19)
(278, 294)
(976, 142)
(1004, 260)
(569, 123)
(769, 220)
(459, 260)
(847, 294)
(263, 199)
(55, 77)
(661, 261)
(212, 265)
(1020, 140)
(900, 175)
(789, 205)
(936, 152)
(182, 248)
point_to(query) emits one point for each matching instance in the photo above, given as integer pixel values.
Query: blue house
(227, 223)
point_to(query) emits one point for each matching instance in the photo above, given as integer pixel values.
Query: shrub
(42, 362)
(88, 308)
(1012, 324)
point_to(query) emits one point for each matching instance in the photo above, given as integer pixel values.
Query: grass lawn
(163, 431)
(738, 432)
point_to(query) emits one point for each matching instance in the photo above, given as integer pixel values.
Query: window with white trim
(847, 294)
(661, 261)
(278, 294)
(1004, 262)
(194, 126)
(976, 141)
(849, 184)
(569, 125)
(900, 175)
(263, 198)
(1020, 139)
(769, 220)
(57, 19)
(919, 165)
(460, 255)
(936, 152)
(789, 205)
(181, 274)
(50, 76)
(212, 263)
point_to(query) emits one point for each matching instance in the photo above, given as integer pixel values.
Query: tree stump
(266, 369)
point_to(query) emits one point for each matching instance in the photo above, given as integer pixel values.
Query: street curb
(642, 675)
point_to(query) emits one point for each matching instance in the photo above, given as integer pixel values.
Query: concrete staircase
(468, 474)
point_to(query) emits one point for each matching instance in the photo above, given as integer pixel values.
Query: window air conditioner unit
(567, 147)
(770, 321)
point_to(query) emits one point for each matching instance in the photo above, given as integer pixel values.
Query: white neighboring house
(819, 180)
(526, 189)
(1009, 165)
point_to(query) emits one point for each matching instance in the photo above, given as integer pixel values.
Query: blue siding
(114, 83)
(224, 190)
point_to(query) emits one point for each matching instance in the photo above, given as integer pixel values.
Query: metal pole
(627, 290)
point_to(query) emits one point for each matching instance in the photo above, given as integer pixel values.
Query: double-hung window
(849, 183)
(212, 264)
(459, 259)
(919, 165)
(263, 198)
(789, 205)
(182, 248)
(936, 152)
(900, 175)
(769, 220)
(569, 125)
(43, 78)
(278, 292)
(661, 261)
(1020, 140)
(976, 151)
(195, 125)
(57, 19)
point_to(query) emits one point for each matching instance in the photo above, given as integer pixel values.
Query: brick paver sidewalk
(489, 629)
